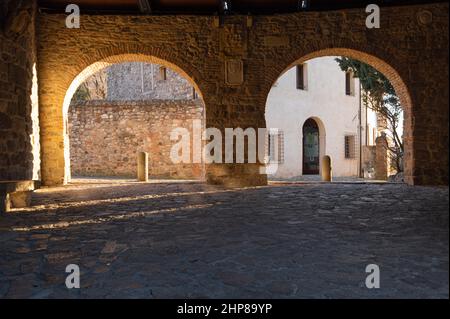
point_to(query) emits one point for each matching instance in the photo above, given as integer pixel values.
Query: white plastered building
(318, 111)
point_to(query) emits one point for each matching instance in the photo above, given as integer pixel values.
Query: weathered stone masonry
(19, 126)
(234, 65)
(142, 81)
(106, 136)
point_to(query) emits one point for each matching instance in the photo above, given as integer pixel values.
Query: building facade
(317, 110)
(146, 81)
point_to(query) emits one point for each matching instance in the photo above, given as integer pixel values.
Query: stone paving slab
(192, 240)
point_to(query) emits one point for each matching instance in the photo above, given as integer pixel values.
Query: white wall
(287, 108)
(371, 126)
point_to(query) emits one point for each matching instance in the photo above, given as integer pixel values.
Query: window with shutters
(302, 76)
(349, 84)
(163, 73)
(275, 147)
(350, 146)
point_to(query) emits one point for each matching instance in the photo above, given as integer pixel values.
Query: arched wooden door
(311, 148)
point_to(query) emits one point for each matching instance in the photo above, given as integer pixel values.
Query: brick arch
(129, 52)
(378, 63)
(121, 58)
(56, 161)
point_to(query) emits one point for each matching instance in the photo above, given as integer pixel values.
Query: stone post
(5, 204)
(326, 169)
(381, 158)
(142, 167)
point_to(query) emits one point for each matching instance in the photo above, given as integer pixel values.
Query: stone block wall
(143, 81)
(235, 63)
(106, 136)
(19, 126)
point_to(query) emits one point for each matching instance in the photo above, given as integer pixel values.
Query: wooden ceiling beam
(145, 6)
(212, 6)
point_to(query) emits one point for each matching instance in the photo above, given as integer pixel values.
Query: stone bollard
(5, 203)
(381, 158)
(326, 169)
(142, 167)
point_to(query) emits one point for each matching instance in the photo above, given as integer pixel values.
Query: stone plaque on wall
(233, 39)
(234, 72)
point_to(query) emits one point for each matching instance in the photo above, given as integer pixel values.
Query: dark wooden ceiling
(213, 6)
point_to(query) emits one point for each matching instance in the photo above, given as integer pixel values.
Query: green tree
(81, 94)
(379, 95)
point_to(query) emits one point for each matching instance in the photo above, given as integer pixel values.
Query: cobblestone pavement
(318, 178)
(190, 240)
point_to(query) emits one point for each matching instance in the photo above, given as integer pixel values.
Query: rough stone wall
(19, 128)
(106, 136)
(142, 81)
(234, 65)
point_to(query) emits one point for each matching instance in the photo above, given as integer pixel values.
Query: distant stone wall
(19, 118)
(105, 137)
(144, 81)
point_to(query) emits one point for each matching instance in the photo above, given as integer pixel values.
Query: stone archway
(55, 165)
(388, 70)
(259, 52)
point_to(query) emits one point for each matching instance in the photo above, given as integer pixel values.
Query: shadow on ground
(191, 240)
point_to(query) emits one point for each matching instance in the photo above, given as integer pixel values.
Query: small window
(350, 146)
(194, 94)
(275, 147)
(302, 76)
(163, 73)
(349, 83)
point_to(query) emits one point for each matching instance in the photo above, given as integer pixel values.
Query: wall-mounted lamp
(225, 7)
(303, 5)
